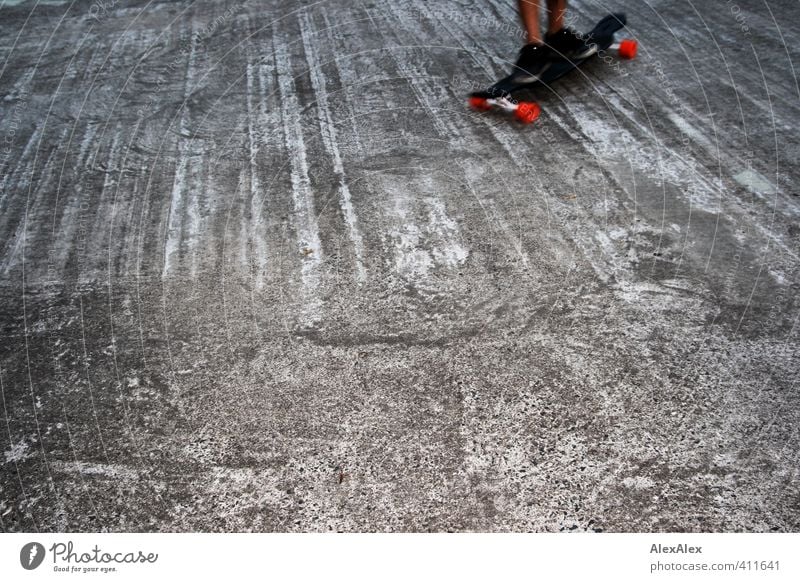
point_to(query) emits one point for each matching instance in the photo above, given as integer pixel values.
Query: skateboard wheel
(627, 48)
(479, 103)
(527, 112)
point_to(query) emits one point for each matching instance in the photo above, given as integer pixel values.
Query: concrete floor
(262, 269)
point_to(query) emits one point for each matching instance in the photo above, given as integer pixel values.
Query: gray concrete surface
(262, 269)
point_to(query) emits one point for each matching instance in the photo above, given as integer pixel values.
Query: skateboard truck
(525, 111)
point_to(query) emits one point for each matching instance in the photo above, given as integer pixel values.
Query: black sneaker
(534, 59)
(566, 43)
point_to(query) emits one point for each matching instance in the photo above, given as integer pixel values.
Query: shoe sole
(590, 50)
(531, 78)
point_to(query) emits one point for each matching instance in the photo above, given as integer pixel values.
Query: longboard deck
(601, 36)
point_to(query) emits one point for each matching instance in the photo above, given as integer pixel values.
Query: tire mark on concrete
(329, 139)
(308, 244)
(182, 222)
(256, 233)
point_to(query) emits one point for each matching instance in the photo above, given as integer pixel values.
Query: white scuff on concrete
(18, 452)
(755, 182)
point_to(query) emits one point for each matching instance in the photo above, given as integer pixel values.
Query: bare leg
(529, 13)
(555, 12)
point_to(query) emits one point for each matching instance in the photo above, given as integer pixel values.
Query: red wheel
(527, 112)
(627, 48)
(479, 103)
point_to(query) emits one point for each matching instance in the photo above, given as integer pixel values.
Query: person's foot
(566, 43)
(534, 59)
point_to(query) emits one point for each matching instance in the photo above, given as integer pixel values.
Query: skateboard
(499, 96)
